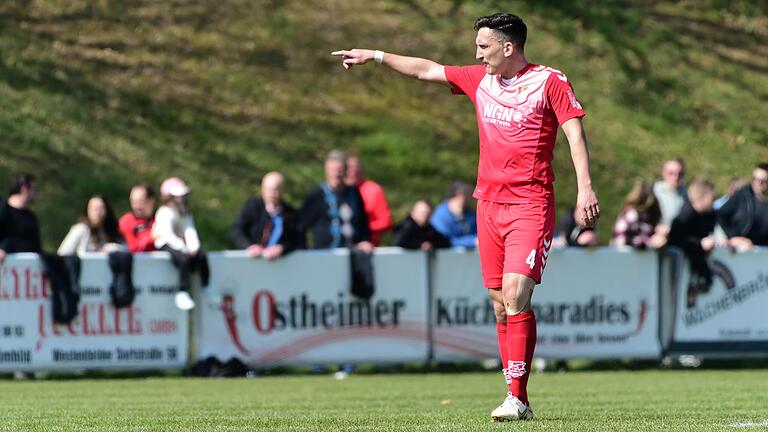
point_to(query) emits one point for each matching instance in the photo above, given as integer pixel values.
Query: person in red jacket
(374, 199)
(136, 225)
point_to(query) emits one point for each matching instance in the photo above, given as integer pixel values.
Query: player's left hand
(354, 57)
(587, 208)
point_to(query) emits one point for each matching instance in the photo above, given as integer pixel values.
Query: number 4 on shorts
(531, 260)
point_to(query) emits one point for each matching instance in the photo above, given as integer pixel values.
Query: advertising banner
(299, 309)
(599, 303)
(150, 334)
(728, 315)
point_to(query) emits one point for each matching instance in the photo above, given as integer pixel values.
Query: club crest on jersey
(499, 115)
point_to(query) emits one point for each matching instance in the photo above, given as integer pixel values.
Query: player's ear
(509, 49)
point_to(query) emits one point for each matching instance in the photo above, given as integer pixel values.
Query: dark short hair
(458, 187)
(19, 180)
(510, 27)
(763, 166)
(148, 190)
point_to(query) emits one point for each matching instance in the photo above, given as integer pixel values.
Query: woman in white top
(174, 232)
(95, 231)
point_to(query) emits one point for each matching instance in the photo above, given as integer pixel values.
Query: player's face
(489, 50)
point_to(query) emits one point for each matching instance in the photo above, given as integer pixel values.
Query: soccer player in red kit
(519, 106)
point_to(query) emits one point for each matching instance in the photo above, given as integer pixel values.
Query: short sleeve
(562, 99)
(465, 79)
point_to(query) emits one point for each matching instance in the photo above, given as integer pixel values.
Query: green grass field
(595, 401)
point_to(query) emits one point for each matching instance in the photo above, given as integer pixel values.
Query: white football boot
(512, 409)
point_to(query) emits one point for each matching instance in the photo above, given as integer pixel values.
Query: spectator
(95, 230)
(19, 230)
(691, 231)
(374, 199)
(267, 226)
(334, 212)
(670, 190)
(569, 233)
(735, 184)
(174, 232)
(636, 224)
(455, 219)
(744, 218)
(136, 225)
(415, 231)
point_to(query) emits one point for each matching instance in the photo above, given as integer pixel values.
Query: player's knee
(515, 309)
(517, 291)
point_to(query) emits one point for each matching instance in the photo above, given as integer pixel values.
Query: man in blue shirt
(454, 217)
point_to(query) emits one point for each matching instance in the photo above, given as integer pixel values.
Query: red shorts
(513, 238)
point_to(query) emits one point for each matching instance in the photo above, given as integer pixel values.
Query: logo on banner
(705, 303)
(597, 311)
(267, 315)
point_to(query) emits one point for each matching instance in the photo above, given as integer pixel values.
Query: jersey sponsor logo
(516, 369)
(499, 115)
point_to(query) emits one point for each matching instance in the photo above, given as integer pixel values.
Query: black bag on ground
(213, 367)
(121, 291)
(64, 274)
(361, 280)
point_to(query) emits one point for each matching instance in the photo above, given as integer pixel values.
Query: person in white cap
(174, 232)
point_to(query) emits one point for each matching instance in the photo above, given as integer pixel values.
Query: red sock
(501, 331)
(521, 341)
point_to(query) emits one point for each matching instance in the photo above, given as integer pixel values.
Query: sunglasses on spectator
(761, 180)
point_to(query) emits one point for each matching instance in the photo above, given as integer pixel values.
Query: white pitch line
(748, 424)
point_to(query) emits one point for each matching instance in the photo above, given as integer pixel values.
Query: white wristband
(378, 56)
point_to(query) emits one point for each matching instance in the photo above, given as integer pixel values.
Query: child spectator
(174, 232)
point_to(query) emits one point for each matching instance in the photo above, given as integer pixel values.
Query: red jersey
(137, 233)
(517, 121)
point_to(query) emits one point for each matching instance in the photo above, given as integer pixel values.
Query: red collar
(525, 69)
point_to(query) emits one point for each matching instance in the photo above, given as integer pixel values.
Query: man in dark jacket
(415, 231)
(267, 225)
(19, 230)
(334, 212)
(744, 217)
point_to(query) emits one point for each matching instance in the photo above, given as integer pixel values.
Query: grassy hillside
(97, 95)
